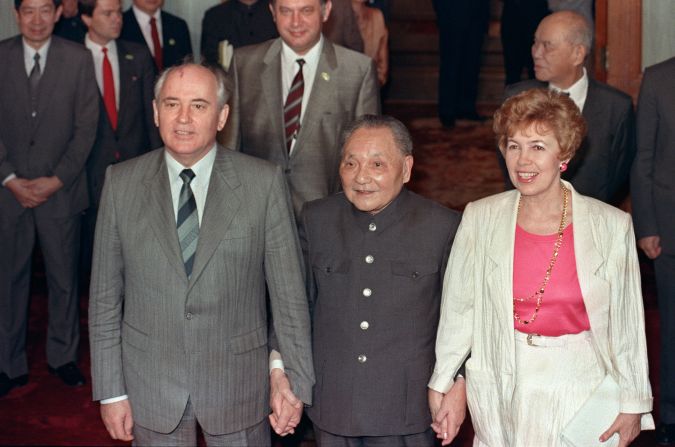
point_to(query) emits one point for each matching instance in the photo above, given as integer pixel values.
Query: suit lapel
(594, 289)
(49, 81)
(499, 267)
(161, 214)
(222, 204)
(125, 61)
(591, 107)
(270, 79)
(323, 94)
(17, 71)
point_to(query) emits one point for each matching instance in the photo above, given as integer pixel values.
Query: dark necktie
(293, 106)
(157, 47)
(109, 90)
(187, 223)
(34, 82)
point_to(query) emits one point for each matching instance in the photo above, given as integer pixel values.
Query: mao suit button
(370, 259)
(372, 226)
(188, 316)
(367, 292)
(362, 358)
(364, 325)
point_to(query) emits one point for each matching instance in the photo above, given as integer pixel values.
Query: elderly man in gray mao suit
(293, 96)
(188, 236)
(653, 196)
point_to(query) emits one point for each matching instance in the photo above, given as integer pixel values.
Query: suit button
(188, 316)
(362, 358)
(372, 226)
(32, 143)
(370, 259)
(287, 171)
(364, 325)
(367, 292)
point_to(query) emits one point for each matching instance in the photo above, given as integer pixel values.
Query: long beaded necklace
(539, 294)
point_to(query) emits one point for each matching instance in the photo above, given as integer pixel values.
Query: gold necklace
(539, 294)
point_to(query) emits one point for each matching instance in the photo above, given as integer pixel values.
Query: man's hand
(448, 411)
(118, 420)
(45, 187)
(627, 426)
(23, 192)
(651, 245)
(286, 407)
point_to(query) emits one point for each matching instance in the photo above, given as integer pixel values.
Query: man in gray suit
(293, 96)
(48, 114)
(375, 256)
(653, 197)
(602, 165)
(187, 238)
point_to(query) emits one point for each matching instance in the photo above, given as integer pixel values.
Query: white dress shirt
(290, 67)
(97, 54)
(143, 20)
(577, 91)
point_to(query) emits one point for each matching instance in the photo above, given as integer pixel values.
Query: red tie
(109, 90)
(293, 106)
(157, 47)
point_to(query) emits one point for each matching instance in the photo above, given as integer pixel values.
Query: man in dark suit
(237, 23)
(125, 76)
(48, 115)
(653, 198)
(323, 87)
(70, 25)
(187, 238)
(147, 24)
(375, 256)
(601, 167)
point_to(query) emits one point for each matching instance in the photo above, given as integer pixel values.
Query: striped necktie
(187, 223)
(34, 82)
(293, 106)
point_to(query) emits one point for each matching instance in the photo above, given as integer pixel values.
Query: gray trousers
(186, 434)
(59, 241)
(664, 267)
(424, 439)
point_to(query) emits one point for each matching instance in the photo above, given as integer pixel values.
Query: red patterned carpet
(452, 167)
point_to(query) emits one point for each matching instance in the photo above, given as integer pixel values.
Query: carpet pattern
(453, 166)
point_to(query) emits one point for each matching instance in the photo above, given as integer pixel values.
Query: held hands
(35, 192)
(626, 425)
(448, 411)
(651, 245)
(286, 407)
(118, 420)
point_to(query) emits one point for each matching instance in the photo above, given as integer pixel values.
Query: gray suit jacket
(345, 87)
(161, 338)
(601, 166)
(652, 181)
(386, 394)
(56, 142)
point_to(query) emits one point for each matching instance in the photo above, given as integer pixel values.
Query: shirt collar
(29, 52)
(385, 218)
(202, 168)
(578, 90)
(96, 48)
(144, 18)
(288, 56)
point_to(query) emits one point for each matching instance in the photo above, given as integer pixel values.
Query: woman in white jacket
(541, 294)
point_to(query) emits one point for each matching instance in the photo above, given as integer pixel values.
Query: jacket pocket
(249, 341)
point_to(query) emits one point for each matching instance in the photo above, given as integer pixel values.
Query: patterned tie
(187, 223)
(293, 106)
(34, 82)
(156, 46)
(109, 90)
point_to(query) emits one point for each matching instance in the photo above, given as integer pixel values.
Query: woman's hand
(626, 425)
(448, 411)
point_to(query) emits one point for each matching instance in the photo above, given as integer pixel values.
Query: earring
(563, 166)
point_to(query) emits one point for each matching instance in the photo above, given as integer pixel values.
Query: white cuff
(112, 400)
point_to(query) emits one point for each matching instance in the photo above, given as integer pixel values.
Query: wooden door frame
(618, 44)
